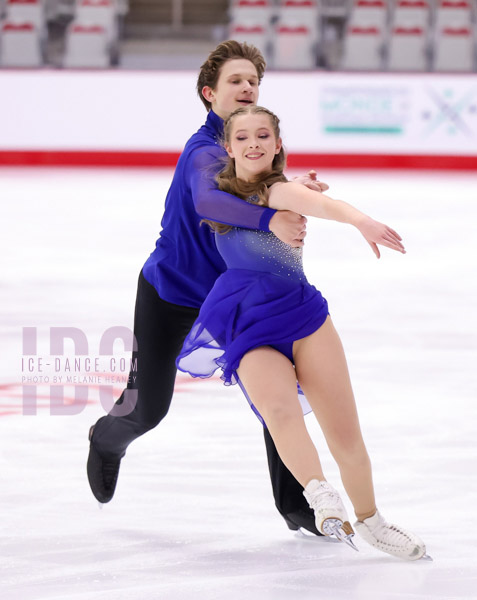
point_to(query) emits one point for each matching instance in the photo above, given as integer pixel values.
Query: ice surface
(193, 515)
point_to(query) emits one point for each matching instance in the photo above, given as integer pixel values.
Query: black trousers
(160, 329)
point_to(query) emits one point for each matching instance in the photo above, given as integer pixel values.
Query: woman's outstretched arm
(300, 199)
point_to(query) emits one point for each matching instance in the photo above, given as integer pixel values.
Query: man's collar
(216, 121)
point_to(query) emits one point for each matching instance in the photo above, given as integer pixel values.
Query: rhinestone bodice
(262, 251)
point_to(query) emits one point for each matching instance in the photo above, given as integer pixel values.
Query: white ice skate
(330, 514)
(391, 538)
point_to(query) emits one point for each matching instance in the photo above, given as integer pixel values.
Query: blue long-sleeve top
(185, 263)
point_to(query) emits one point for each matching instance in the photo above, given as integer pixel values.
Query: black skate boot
(102, 472)
(301, 519)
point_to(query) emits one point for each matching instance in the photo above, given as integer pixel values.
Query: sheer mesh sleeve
(211, 203)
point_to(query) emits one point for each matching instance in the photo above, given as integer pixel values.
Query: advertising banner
(150, 115)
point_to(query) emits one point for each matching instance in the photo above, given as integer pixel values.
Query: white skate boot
(391, 538)
(330, 514)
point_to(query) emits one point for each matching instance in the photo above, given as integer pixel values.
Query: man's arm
(215, 205)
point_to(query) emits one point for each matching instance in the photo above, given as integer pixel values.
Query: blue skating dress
(262, 299)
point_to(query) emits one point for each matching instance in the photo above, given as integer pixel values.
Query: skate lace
(110, 473)
(392, 535)
(325, 498)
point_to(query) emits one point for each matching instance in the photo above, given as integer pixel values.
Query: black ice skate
(302, 520)
(102, 473)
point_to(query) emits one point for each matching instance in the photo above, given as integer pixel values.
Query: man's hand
(310, 181)
(289, 227)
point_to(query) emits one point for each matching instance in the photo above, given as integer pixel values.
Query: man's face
(237, 86)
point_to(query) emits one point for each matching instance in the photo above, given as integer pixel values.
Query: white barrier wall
(322, 113)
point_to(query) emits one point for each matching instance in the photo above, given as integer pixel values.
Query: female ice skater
(265, 325)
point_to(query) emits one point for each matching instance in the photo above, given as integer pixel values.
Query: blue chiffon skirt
(245, 310)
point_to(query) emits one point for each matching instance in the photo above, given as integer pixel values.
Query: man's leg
(160, 329)
(288, 493)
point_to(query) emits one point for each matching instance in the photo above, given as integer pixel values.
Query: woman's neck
(244, 176)
(251, 177)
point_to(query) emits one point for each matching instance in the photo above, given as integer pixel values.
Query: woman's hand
(377, 233)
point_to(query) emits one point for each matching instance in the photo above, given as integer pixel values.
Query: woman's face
(252, 144)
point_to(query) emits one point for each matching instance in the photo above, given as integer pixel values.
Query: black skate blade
(301, 532)
(305, 534)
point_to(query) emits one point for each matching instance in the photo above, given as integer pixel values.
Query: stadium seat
(255, 34)
(411, 13)
(251, 12)
(87, 46)
(454, 49)
(98, 12)
(20, 45)
(26, 11)
(369, 13)
(408, 50)
(363, 48)
(453, 13)
(299, 13)
(294, 47)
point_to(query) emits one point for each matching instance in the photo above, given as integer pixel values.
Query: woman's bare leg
(270, 381)
(323, 375)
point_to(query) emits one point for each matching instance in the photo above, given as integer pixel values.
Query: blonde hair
(210, 71)
(227, 178)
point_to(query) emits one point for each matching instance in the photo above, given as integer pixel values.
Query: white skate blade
(347, 539)
(426, 557)
(100, 505)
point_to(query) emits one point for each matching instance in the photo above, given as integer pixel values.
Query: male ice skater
(180, 272)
